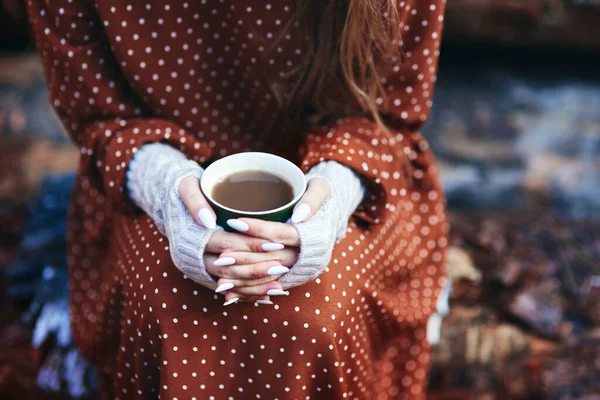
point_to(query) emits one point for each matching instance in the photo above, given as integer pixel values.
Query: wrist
(146, 167)
(347, 192)
(317, 238)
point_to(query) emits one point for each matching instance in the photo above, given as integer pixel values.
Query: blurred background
(516, 129)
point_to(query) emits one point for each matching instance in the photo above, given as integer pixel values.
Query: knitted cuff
(346, 190)
(154, 176)
(317, 239)
(187, 239)
(329, 224)
(148, 160)
(146, 178)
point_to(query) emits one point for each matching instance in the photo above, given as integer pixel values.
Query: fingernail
(277, 292)
(300, 213)
(223, 287)
(238, 225)
(224, 261)
(207, 218)
(268, 302)
(277, 270)
(271, 246)
(231, 301)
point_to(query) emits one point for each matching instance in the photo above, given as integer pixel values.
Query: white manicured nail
(300, 213)
(269, 302)
(277, 292)
(223, 287)
(269, 246)
(231, 301)
(207, 218)
(224, 261)
(238, 225)
(277, 270)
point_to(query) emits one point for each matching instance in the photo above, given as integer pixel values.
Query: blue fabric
(39, 276)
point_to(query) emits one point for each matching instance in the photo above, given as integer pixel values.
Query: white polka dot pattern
(194, 75)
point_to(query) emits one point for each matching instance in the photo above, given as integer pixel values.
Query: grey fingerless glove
(153, 181)
(319, 234)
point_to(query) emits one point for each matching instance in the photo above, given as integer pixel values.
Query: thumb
(195, 203)
(317, 192)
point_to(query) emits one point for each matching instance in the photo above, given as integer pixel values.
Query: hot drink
(253, 191)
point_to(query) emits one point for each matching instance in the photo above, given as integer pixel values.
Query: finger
(249, 299)
(247, 272)
(195, 203)
(270, 288)
(225, 284)
(231, 301)
(221, 242)
(286, 257)
(275, 232)
(264, 300)
(209, 259)
(317, 192)
(231, 296)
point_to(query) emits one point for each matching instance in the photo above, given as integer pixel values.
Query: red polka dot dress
(193, 74)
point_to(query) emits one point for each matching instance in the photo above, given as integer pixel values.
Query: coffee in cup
(253, 191)
(253, 185)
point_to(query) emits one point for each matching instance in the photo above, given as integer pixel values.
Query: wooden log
(550, 23)
(573, 372)
(475, 347)
(14, 26)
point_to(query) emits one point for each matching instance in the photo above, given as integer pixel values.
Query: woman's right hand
(260, 275)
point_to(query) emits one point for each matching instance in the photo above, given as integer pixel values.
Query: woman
(152, 92)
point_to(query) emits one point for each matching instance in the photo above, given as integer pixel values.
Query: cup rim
(260, 154)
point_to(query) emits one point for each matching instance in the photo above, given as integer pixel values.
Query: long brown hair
(345, 42)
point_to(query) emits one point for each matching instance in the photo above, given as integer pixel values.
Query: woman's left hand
(247, 290)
